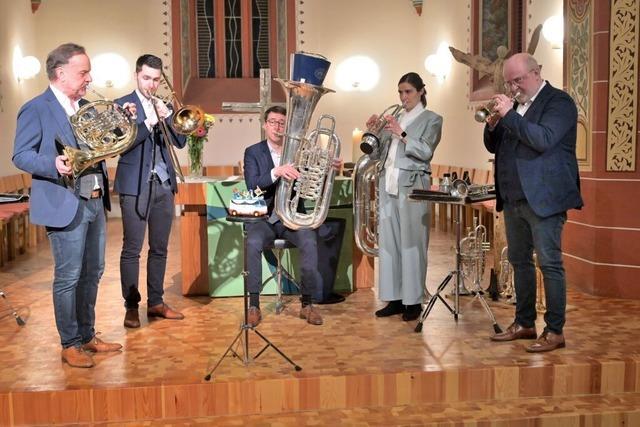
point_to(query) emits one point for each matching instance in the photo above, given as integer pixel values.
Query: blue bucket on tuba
(309, 68)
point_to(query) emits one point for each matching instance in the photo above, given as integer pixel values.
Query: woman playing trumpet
(408, 145)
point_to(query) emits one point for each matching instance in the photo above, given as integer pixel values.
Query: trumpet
(487, 113)
(370, 143)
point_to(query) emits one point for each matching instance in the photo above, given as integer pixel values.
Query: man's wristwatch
(403, 134)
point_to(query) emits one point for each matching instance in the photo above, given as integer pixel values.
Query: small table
(459, 202)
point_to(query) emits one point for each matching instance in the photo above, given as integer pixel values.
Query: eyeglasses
(517, 81)
(274, 122)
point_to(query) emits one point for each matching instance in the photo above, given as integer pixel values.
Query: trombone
(186, 120)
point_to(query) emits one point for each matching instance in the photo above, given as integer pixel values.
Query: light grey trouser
(403, 233)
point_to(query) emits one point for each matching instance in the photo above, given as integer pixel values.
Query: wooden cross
(256, 107)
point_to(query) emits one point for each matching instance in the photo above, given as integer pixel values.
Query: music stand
(459, 203)
(245, 327)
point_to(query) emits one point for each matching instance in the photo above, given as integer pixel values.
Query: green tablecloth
(225, 242)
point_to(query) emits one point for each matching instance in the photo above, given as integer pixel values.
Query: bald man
(537, 181)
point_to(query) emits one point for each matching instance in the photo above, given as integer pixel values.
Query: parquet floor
(345, 362)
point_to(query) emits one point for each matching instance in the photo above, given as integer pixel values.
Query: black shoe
(412, 312)
(393, 307)
(332, 298)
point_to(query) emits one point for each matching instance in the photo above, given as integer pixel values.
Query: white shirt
(392, 172)
(149, 111)
(70, 107)
(275, 156)
(522, 108)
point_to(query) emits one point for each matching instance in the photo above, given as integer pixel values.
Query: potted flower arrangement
(195, 145)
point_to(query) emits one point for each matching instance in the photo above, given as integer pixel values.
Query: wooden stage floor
(357, 369)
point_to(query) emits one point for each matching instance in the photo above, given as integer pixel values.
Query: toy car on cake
(247, 203)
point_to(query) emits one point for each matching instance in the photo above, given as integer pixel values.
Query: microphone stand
(245, 327)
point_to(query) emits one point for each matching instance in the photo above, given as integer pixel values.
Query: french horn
(105, 128)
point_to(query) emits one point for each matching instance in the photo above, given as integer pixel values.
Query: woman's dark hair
(415, 80)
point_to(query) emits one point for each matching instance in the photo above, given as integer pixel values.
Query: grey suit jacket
(414, 158)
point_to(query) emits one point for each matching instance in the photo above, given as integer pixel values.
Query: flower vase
(195, 146)
(195, 166)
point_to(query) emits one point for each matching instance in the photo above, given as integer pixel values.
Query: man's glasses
(274, 122)
(517, 80)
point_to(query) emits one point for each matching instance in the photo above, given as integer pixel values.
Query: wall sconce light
(110, 70)
(24, 67)
(357, 73)
(439, 64)
(553, 31)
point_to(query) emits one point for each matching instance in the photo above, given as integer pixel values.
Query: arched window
(219, 47)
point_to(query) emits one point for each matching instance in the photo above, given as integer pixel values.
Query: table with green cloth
(226, 247)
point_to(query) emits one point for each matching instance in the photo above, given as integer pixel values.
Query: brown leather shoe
(163, 310)
(312, 315)
(96, 345)
(516, 332)
(254, 316)
(548, 341)
(74, 356)
(132, 318)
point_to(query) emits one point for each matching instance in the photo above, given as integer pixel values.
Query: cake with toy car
(247, 203)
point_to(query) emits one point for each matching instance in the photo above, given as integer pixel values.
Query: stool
(277, 247)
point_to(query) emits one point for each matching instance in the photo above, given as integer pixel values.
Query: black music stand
(458, 202)
(245, 327)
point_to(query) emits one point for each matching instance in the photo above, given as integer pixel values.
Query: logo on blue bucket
(309, 68)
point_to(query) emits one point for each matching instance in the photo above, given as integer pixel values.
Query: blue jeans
(527, 231)
(78, 254)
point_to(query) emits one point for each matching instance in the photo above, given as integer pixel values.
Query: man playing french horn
(73, 210)
(146, 182)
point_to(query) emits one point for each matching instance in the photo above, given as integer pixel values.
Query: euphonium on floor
(312, 155)
(365, 205)
(505, 278)
(472, 257)
(103, 126)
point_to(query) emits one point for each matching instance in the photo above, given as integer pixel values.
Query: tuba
(365, 185)
(105, 127)
(312, 155)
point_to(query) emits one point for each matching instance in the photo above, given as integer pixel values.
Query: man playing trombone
(146, 182)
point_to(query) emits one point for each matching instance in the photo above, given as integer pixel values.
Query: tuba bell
(312, 155)
(103, 126)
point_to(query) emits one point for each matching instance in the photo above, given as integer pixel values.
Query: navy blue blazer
(134, 165)
(41, 121)
(257, 172)
(545, 141)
